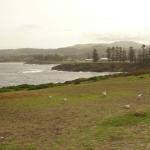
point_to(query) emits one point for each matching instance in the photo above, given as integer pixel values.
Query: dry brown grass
(30, 118)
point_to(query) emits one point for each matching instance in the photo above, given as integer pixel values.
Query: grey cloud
(108, 37)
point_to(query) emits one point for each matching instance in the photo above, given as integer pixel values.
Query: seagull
(104, 93)
(2, 137)
(126, 106)
(50, 97)
(140, 95)
(65, 99)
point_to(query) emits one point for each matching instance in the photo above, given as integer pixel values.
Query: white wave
(33, 71)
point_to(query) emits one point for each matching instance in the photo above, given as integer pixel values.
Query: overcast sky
(57, 23)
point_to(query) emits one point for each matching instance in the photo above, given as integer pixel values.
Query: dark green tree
(95, 56)
(124, 56)
(144, 54)
(108, 53)
(132, 56)
(113, 54)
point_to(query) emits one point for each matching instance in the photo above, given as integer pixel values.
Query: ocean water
(20, 73)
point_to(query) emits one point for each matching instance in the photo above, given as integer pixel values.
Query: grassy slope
(29, 120)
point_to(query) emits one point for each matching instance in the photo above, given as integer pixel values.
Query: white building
(89, 59)
(104, 59)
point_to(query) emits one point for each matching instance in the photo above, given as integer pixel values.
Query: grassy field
(29, 120)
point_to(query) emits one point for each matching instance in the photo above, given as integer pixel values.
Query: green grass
(86, 121)
(126, 120)
(13, 147)
(48, 85)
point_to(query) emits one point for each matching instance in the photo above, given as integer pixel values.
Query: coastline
(102, 67)
(84, 67)
(50, 85)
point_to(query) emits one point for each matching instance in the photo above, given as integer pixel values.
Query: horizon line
(90, 43)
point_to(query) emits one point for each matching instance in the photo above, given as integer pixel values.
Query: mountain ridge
(79, 50)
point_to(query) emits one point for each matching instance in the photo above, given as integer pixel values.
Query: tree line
(121, 55)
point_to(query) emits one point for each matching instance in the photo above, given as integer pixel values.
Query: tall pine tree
(95, 56)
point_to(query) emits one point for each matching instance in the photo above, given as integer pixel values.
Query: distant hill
(80, 50)
(126, 44)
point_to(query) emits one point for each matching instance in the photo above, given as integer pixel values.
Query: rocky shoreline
(102, 67)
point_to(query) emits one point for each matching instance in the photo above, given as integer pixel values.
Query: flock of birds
(139, 96)
(104, 93)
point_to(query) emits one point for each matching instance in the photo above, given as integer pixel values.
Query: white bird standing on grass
(65, 99)
(126, 106)
(140, 95)
(50, 97)
(2, 137)
(104, 93)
